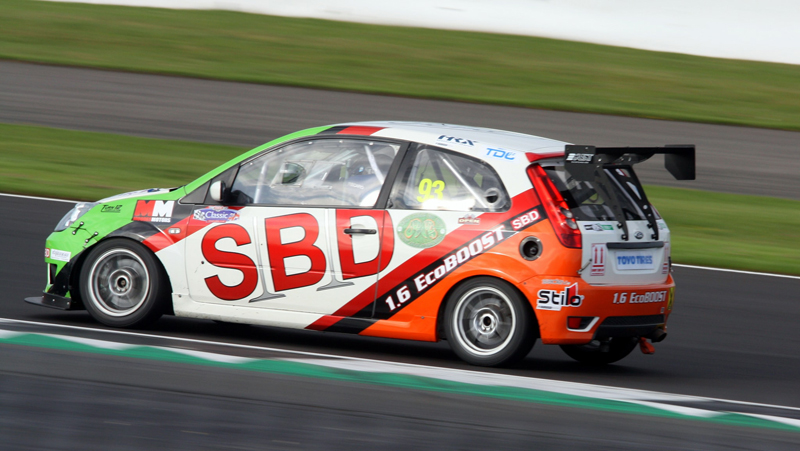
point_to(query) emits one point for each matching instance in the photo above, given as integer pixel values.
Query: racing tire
(122, 284)
(487, 323)
(618, 349)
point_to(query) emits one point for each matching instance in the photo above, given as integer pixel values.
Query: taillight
(556, 207)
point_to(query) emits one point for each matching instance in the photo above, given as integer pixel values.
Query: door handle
(360, 231)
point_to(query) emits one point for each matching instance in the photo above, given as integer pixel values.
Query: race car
(488, 239)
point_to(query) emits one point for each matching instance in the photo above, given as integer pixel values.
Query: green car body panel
(110, 217)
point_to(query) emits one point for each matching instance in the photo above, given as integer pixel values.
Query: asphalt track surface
(730, 159)
(732, 336)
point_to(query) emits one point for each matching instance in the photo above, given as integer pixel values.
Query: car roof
(462, 138)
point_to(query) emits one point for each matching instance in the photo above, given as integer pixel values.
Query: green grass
(712, 229)
(89, 166)
(475, 67)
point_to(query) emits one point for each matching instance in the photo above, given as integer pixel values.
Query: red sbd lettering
(351, 269)
(278, 251)
(230, 260)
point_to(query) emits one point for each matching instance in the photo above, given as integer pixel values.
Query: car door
(307, 228)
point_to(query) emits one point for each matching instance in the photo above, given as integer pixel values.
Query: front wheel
(487, 323)
(601, 353)
(123, 285)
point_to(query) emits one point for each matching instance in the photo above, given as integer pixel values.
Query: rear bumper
(54, 301)
(608, 310)
(629, 326)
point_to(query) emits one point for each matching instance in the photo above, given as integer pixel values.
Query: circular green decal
(421, 230)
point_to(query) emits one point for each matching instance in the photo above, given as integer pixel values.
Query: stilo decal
(414, 286)
(554, 300)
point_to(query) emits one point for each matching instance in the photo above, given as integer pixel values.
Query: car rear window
(588, 203)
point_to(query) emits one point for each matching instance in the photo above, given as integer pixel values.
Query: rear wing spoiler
(587, 164)
(582, 161)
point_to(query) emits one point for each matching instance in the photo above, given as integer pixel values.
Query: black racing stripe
(333, 130)
(351, 325)
(381, 310)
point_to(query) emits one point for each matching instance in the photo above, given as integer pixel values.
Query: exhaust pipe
(657, 336)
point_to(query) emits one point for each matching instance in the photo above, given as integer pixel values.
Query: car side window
(436, 179)
(321, 172)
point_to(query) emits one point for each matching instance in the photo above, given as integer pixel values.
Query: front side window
(435, 179)
(323, 172)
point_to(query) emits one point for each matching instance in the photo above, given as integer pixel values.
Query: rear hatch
(621, 244)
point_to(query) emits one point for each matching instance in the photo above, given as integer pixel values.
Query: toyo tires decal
(464, 244)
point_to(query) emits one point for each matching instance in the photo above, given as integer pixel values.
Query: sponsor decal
(501, 154)
(631, 260)
(229, 260)
(640, 298)
(555, 300)
(525, 220)
(598, 259)
(580, 157)
(279, 250)
(111, 209)
(469, 219)
(671, 298)
(554, 282)
(154, 210)
(421, 230)
(665, 265)
(62, 256)
(444, 139)
(46, 252)
(402, 294)
(598, 227)
(216, 215)
(662, 225)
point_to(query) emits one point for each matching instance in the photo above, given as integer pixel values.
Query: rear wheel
(488, 323)
(597, 353)
(123, 285)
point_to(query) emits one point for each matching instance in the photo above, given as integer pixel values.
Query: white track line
(39, 198)
(784, 276)
(358, 363)
(738, 271)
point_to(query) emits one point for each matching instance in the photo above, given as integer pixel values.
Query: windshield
(588, 204)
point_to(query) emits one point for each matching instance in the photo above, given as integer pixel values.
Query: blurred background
(103, 97)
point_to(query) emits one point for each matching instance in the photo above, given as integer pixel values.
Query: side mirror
(217, 191)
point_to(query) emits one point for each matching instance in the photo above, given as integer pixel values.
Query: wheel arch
(440, 316)
(77, 269)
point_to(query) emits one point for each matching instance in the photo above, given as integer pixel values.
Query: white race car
(486, 238)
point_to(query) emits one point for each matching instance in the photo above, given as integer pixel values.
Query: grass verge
(710, 229)
(475, 67)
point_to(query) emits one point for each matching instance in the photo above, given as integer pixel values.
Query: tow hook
(646, 347)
